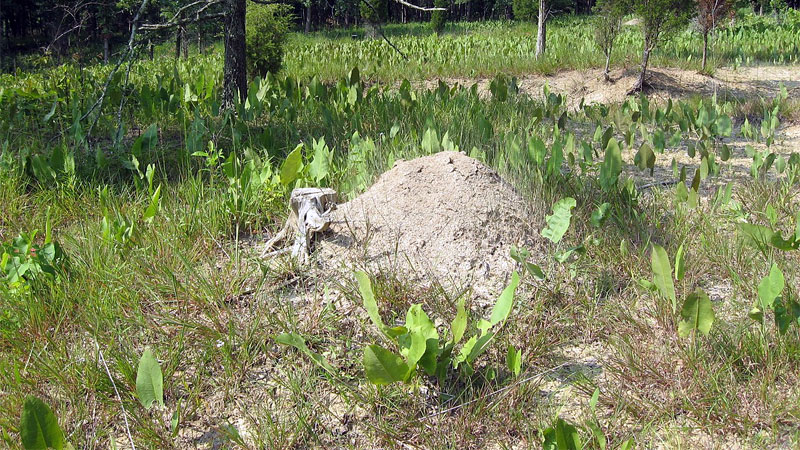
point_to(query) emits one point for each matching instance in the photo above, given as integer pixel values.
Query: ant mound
(444, 218)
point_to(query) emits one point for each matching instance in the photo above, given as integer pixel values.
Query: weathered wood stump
(310, 214)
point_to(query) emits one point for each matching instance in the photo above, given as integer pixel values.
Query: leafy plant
(23, 262)
(420, 346)
(149, 380)
(39, 428)
(558, 222)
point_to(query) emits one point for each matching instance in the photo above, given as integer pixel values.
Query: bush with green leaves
(439, 18)
(423, 349)
(374, 12)
(267, 27)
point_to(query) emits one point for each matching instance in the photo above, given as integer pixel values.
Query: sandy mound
(445, 216)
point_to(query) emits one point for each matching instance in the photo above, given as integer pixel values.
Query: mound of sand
(446, 216)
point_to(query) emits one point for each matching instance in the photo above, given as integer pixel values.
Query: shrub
(267, 26)
(525, 9)
(377, 13)
(439, 18)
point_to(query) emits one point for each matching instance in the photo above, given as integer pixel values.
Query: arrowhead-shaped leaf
(558, 222)
(770, 287)
(39, 427)
(504, 303)
(382, 366)
(149, 380)
(697, 314)
(662, 274)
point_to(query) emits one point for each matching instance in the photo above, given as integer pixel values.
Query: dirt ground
(665, 83)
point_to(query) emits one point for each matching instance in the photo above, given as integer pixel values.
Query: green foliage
(374, 11)
(439, 18)
(25, 264)
(558, 222)
(562, 436)
(697, 314)
(525, 9)
(149, 380)
(297, 341)
(420, 346)
(662, 274)
(39, 427)
(266, 30)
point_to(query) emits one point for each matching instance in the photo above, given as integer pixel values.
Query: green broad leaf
(757, 236)
(558, 222)
(368, 297)
(152, 208)
(505, 302)
(430, 142)
(384, 367)
(680, 264)
(645, 158)
(611, 167)
(724, 126)
(424, 338)
(770, 287)
(321, 164)
(514, 360)
(291, 167)
(600, 214)
(521, 256)
(297, 341)
(480, 346)
(459, 324)
(662, 274)
(786, 313)
(149, 380)
(562, 257)
(562, 437)
(697, 314)
(39, 428)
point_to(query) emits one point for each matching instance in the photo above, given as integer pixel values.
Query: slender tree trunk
(178, 43)
(105, 48)
(705, 50)
(541, 34)
(308, 17)
(184, 44)
(235, 70)
(2, 38)
(370, 30)
(640, 82)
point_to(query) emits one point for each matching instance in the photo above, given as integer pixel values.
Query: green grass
(485, 49)
(189, 285)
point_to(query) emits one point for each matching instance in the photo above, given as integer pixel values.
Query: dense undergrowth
(685, 295)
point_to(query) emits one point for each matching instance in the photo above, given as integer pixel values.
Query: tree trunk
(178, 42)
(308, 17)
(235, 70)
(370, 30)
(640, 83)
(2, 38)
(541, 34)
(105, 48)
(705, 50)
(184, 44)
